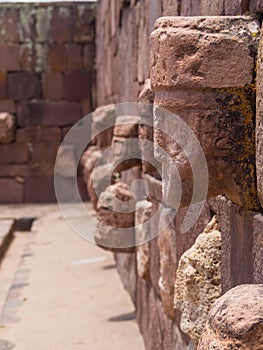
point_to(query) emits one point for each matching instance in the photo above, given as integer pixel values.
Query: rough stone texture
(198, 279)
(126, 266)
(7, 128)
(103, 120)
(257, 249)
(115, 210)
(125, 144)
(197, 74)
(66, 165)
(88, 161)
(237, 243)
(142, 215)
(168, 261)
(235, 321)
(97, 185)
(259, 121)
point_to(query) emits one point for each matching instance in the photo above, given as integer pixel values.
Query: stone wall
(175, 278)
(46, 77)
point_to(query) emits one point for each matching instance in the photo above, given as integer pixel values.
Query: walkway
(59, 292)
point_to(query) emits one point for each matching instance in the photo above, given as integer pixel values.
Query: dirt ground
(60, 292)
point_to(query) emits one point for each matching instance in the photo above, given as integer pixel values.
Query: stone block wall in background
(46, 77)
(163, 275)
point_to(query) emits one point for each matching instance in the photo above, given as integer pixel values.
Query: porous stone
(235, 321)
(142, 231)
(198, 279)
(7, 127)
(202, 76)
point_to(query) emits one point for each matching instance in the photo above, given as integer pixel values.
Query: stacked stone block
(161, 269)
(46, 80)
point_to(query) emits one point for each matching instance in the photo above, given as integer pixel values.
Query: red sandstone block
(84, 28)
(39, 189)
(236, 7)
(23, 86)
(57, 58)
(89, 56)
(40, 153)
(256, 6)
(74, 57)
(24, 170)
(78, 85)
(61, 25)
(2, 85)
(38, 134)
(86, 107)
(11, 191)
(9, 57)
(61, 113)
(7, 106)
(53, 86)
(9, 26)
(14, 153)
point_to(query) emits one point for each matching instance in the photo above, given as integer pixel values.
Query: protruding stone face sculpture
(126, 152)
(235, 321)
(7, 127)
(203, 72)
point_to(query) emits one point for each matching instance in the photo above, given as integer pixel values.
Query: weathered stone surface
(198, 280)
(237, 242)
(259, 122)
(66, 165)
(258, 249)
(168, 261)
(115, 210)
(197, 76)
(97, 184)
(125, 143)
(235, 321)
(7, 128)
(142, 232)
(256, 6)
(88, 161)
(103, 120)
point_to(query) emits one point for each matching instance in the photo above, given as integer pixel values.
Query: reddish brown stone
(57, 58)
(48, 113)
(77, 85)
(3, 86)
(10, 57)
(61, 25)
(53, 86)
(23, 86)
(40, 153)
(86, 107)
(236, 7)
(66, 165)
(25, 170)
(83, 29)
(256, 6)
(38, 134)
(235, 321)
(89, 57)
(11, 191)
(7, 106)
(14, 154)
(258, 249)
(39, 189)
(74, 55)
(10, 23)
